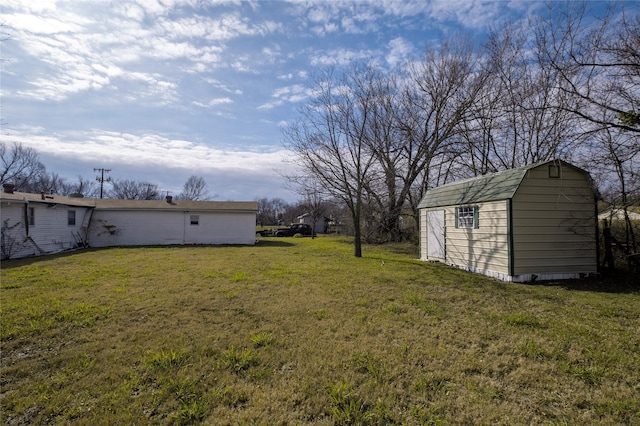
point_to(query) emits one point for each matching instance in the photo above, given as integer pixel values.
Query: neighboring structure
(534, 222)
(321, 226)
(35, 224)
(618, 214)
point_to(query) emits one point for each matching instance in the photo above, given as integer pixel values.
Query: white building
(36, 224)
(158, 222)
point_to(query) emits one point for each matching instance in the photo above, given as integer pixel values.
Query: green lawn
(298, 331)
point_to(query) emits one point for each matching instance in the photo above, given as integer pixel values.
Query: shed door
(435, 234)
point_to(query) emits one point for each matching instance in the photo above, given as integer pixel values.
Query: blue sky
(158, 90)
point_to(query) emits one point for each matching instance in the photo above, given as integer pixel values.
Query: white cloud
(399, 50)
(219, 85)
(340, 56)
(289, 94)
(214, 102)
(146, 150)
(471, 14)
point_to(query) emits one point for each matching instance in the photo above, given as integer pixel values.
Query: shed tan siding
(483, 249)
(554, 224)
(423, 234)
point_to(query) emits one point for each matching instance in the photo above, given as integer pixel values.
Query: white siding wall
(50, 232)
(484, 249)
(13, 214)
(145, 227)
(554, 225)
(221, 228)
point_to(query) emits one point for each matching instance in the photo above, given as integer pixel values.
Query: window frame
(71, 217)
(467, 217)
(554, 171)
(194, 219)
(31, 216)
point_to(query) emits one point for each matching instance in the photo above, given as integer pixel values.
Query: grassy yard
(298, 331)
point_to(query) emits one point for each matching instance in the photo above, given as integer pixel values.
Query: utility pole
(101, 178)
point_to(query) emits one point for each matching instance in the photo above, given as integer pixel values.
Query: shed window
(195, 219)
(31, 213)
(71, 217)
(467, 217)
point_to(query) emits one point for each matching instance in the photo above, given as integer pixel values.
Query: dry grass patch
(297, 331)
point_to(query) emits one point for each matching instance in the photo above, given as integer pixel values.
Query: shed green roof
(492, 187)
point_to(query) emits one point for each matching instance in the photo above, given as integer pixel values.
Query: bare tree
(84, 187)
(20, 166)
(518, 118)
(314, 201)
(598, 67)
(329, 140)
(270, 211)
(421, 123)
(194, 189)
(134, 190)
(597, 62)
(49, 183)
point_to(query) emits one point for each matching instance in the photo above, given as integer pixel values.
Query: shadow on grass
(273, 243)
(619, 281)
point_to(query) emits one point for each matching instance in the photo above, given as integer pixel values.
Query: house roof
(181, 205)
(491, 187)
(26, 197)
(117, 204)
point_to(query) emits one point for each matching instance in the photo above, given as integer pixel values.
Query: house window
(195, 219)
(467, 217)
(71, 217)
(32, 216)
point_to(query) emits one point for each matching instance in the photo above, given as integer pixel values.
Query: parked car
(293, 229)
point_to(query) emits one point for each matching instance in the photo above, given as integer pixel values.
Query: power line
(101, 178)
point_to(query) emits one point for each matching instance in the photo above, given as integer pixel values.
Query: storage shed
(160, 222)
(534, 222)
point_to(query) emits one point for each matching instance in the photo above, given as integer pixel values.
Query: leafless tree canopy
(129, 189)
(564, 86)
(20, 166)
(195, 189)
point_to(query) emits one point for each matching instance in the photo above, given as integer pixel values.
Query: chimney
(8, 187)
(169, 199)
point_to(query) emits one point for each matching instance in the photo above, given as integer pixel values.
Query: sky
(159, 90)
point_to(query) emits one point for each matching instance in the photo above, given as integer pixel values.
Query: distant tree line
(563, 86)
(22, 167)
(278, 212)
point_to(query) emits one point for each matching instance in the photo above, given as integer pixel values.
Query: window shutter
(457, 211)
(476, 222)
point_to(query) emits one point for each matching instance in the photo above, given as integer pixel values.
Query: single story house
(533, 222)
(36, 224)
(157, 222)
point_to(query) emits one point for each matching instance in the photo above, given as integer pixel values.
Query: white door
(435, 234)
